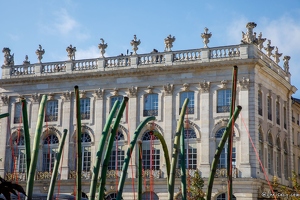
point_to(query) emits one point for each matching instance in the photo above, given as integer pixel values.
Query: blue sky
(55, 24)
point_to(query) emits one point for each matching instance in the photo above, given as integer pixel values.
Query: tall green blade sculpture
(100, 150)
(175, 150)
(109, 147)
(56, 165)
(35, 151)
(26, 135)
(79, 150)
(219, 150)
(128, 155)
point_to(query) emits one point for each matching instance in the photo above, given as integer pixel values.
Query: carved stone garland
(168, 89)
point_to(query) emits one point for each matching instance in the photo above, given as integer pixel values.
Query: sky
(55, 24)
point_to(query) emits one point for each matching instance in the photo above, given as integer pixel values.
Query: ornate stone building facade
(156, 84)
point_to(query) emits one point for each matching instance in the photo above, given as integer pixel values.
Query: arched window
(150, 105)
(50, 147)
(86, 151)
(285, 160)
(278, 157)
(223, 196)
(270, 154)
(190, 107)
(19, 155)
(190, 152)
(223, 157)
(149, 196)
(151, 152)
(261, 149)
(117, 154)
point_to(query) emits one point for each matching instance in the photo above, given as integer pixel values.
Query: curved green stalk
(109, 147)
(219, 150)
(35, 151)
(56, 165)
(140, 172)
(183, 167)
(79, 150)
(128, 155)
(175, 150)
(4, 115)
(100, 149)
(166, 152)
(26, 135)
(230, 138)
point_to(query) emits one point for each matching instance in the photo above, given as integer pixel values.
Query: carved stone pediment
(186, 87)
(224, 84)
(82, 94)
(115, 92)
(150, 89)
(51, 96)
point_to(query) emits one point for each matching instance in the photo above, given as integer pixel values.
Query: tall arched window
(190, 150)
(117, 154)
(151, 151)
(86, 151)
(223, 157)
(19, 155)
(270, 154)
(261, 149)
(277, 113)
(50, 147)
(285, 160)
(190, 106)
(278, 157)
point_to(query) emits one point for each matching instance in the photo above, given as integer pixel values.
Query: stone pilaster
(4, 137)
(168, 113)
(205, 118)
(66, 107)
(244, 144)
(132, 123)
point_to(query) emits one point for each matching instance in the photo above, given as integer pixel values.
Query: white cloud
(91, 52)
(64, 23)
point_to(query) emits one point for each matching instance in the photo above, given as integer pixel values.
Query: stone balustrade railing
(202, 55)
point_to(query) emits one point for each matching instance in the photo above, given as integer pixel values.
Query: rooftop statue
(102, 47)
(8, 58)
(135, 43)
(169, 43)
(206, 37)
(249, 37)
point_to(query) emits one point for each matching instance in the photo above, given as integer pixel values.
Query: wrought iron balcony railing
(150, 113)
(222, 109)
(50, 118)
